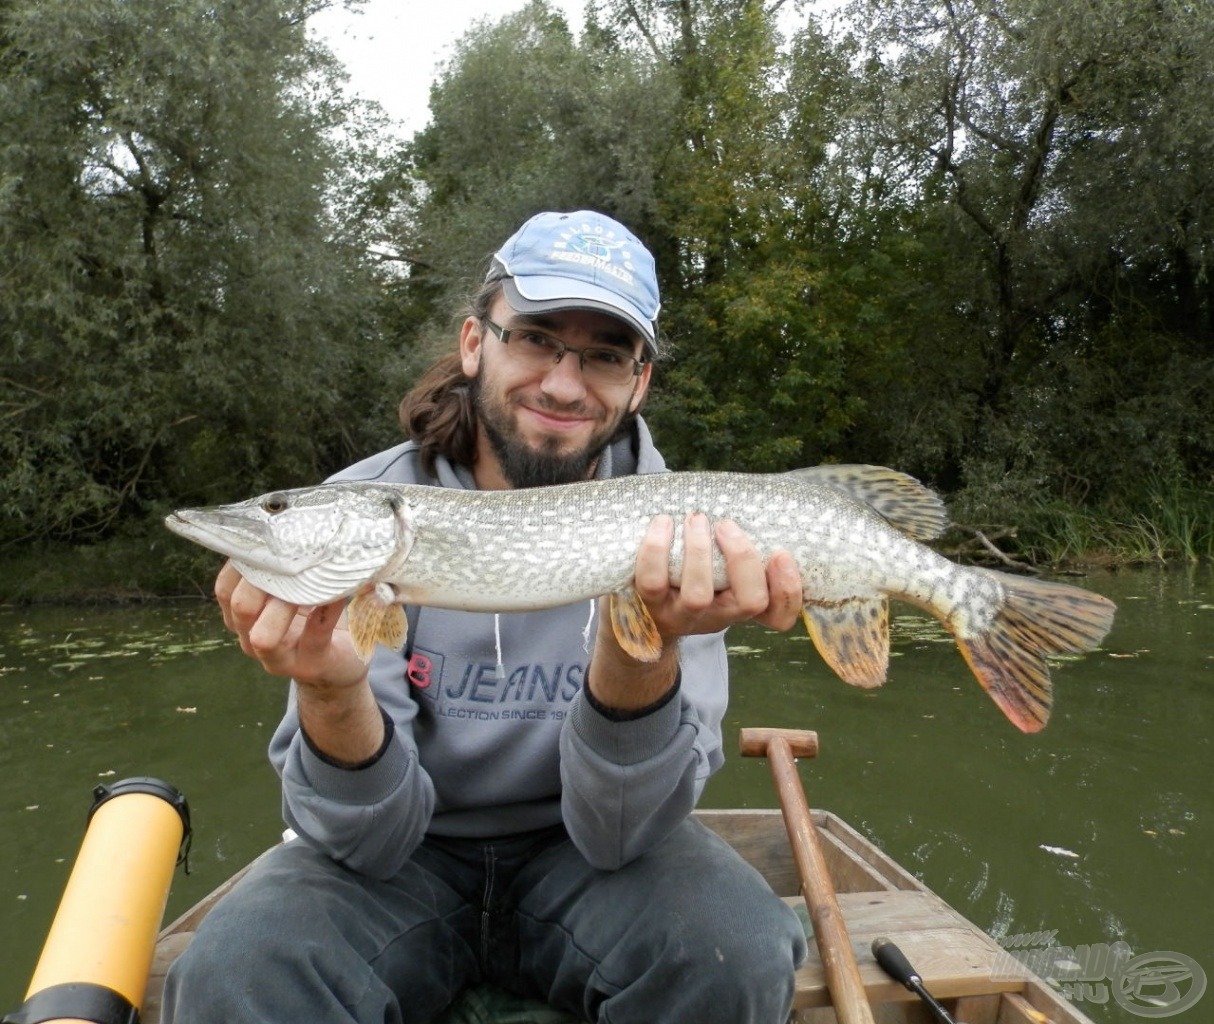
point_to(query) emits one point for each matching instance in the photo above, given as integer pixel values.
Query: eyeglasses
(541, 351)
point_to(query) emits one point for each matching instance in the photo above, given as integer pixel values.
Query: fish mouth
(233, 536)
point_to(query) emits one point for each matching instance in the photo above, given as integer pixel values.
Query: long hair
(439, 413)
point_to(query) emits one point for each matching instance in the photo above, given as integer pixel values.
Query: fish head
(311, 545)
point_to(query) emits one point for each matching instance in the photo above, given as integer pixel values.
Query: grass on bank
(1169, 523)
(1173, 523)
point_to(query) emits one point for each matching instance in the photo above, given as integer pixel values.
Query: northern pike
(856, 533)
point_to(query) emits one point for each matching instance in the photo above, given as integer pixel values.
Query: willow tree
(176, 320)
(1061, 153)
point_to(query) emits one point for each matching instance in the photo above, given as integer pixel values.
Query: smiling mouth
(557, 421)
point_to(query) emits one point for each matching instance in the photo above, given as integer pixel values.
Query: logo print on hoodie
(479, 686)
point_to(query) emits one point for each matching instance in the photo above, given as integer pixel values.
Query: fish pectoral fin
(853, 638)
(374, 615)
(633, 626)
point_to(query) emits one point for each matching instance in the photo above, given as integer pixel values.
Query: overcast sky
(392, 48)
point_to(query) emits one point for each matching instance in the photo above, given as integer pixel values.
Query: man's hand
(770, 595)
(304, 644)
(312, 646)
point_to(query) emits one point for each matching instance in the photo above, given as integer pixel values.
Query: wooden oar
(780, 747)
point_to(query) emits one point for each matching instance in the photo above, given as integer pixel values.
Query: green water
(1099, 828)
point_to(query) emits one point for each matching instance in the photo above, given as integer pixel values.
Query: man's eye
(604, 357)
(540, 341)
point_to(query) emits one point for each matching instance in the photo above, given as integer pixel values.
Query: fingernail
(729, 530)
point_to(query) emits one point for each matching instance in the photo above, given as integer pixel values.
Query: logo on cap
(596, 247)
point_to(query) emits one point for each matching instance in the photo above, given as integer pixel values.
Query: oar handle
(781, 747)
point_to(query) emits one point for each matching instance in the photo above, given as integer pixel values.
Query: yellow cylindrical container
(97, 957)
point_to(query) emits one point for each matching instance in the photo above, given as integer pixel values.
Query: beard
(525, 466)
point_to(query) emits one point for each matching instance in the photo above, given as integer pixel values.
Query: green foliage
(181, 317)
(968, 239)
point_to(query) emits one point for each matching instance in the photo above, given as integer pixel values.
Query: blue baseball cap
(580, 260)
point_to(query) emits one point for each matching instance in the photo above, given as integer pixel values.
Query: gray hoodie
(493, 733)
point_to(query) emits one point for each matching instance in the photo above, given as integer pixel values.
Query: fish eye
(274, 503)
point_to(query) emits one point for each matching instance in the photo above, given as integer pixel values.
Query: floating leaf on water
(918, 628)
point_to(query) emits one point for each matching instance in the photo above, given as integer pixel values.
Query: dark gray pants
(687, 933)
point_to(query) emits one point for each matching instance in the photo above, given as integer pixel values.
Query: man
(494, 803)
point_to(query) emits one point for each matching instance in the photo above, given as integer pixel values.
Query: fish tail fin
(1036, 619)
(853, 638)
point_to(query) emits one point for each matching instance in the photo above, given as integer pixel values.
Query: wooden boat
(962, 966)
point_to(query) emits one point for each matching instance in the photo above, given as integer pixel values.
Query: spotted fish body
(855, 532)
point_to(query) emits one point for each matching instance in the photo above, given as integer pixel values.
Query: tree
(1060, 151)
(181, 313)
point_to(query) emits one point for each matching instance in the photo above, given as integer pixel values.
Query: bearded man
(504, 800)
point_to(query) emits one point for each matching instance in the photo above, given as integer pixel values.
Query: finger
(317, 634)
(225, 583)
(268, 635)
(747, 577)
(696, 587)
(786, 592)
(245, 605)
(652, 573)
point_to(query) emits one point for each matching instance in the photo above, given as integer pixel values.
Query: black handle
(893, 961)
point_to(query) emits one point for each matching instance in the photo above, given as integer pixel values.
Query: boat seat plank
(953, 957)
(761, 838)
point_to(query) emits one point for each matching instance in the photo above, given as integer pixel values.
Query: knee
(750, 960)
(263, 937)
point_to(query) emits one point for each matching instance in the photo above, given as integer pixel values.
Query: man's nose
(564, 380)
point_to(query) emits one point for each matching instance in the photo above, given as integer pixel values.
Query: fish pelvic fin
(853, 638)
(633, 626)
(375, 616)
(1037, 618)
(905, 503)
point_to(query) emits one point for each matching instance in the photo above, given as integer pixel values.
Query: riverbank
(120, 570)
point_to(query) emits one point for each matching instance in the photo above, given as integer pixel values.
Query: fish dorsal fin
(853, 638)
(914, 509)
